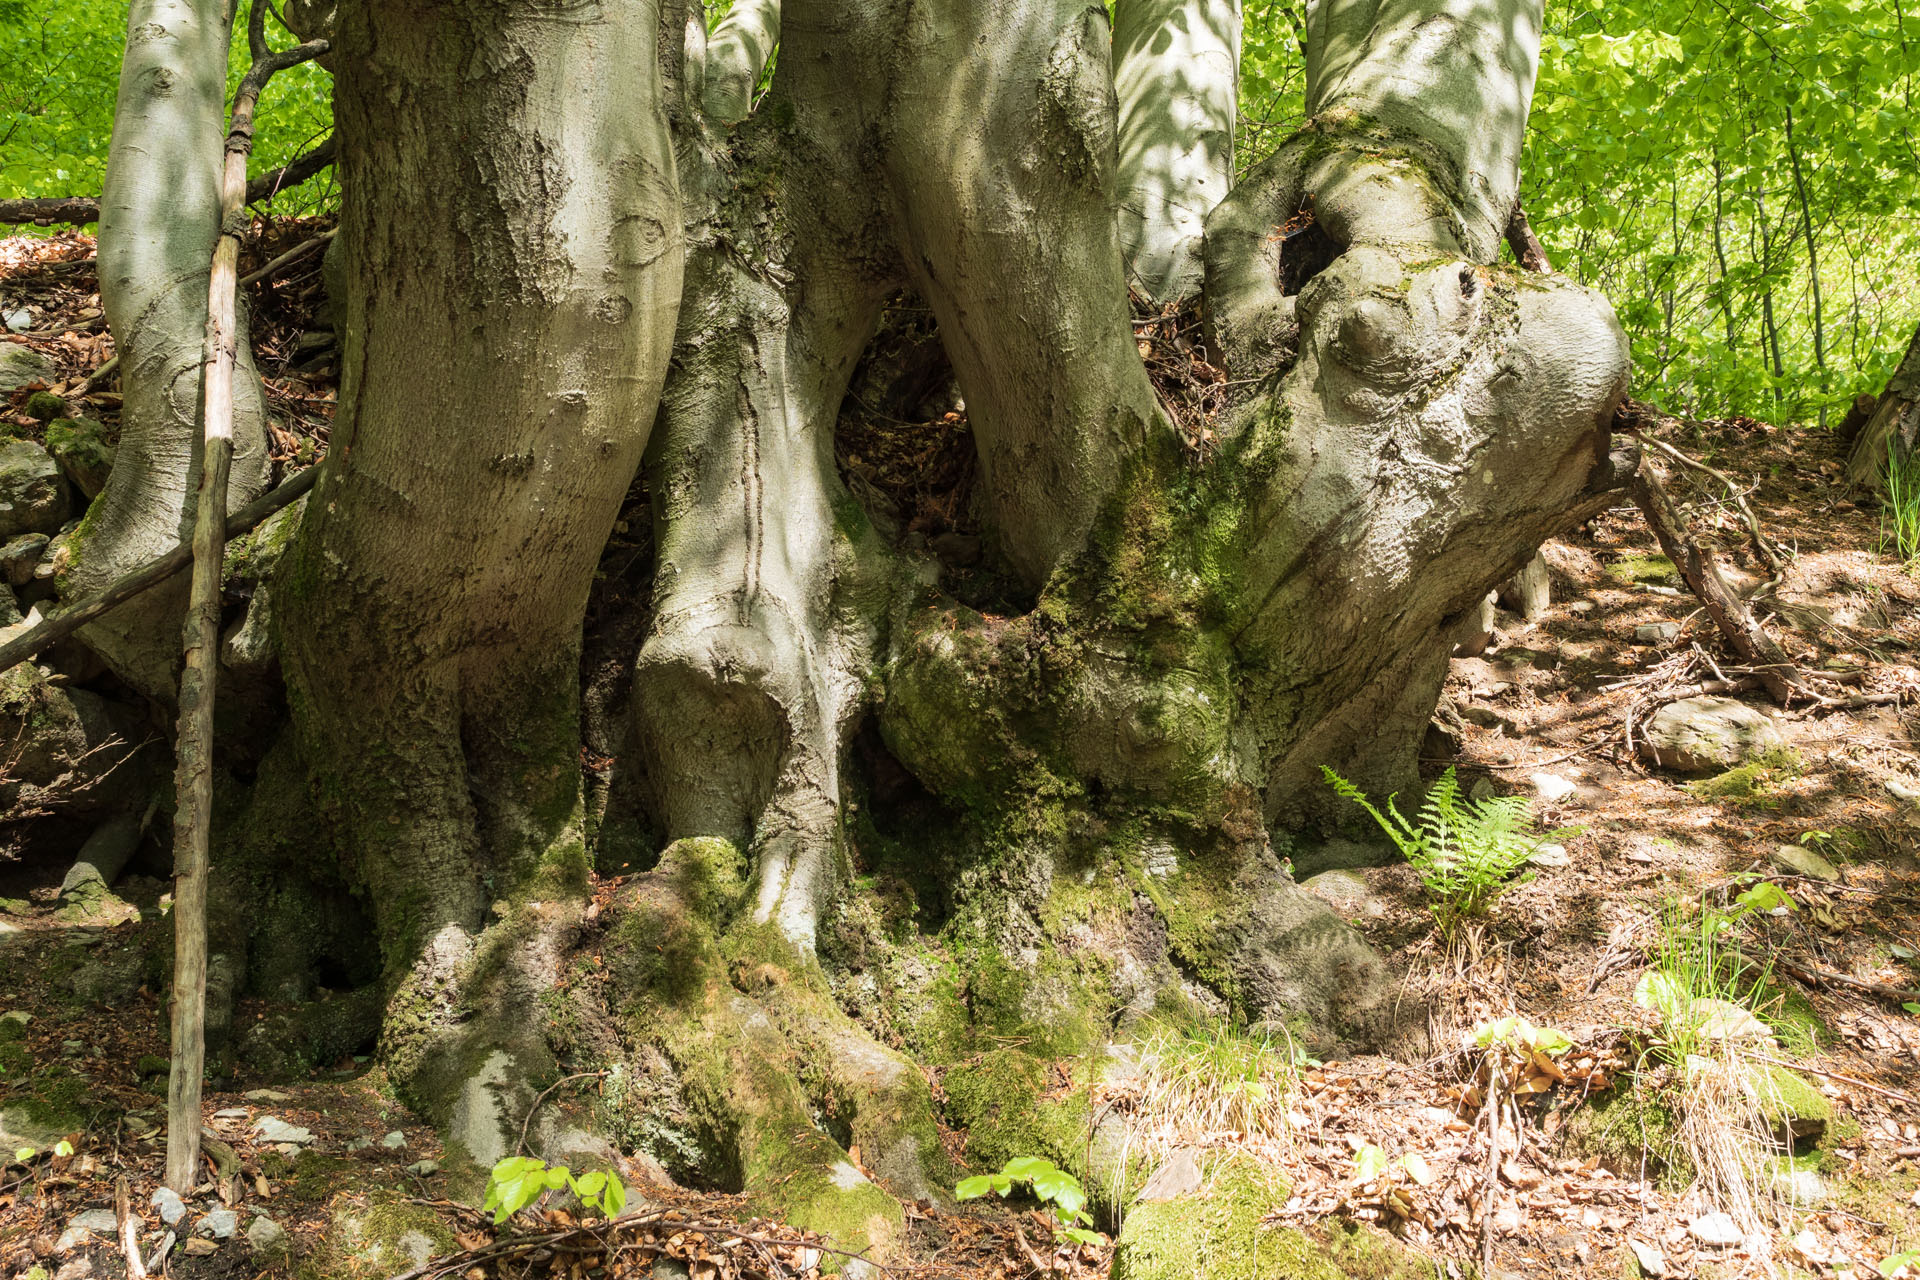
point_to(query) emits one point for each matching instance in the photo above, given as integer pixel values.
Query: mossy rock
(84, 449)
(1631, 1128)
(1796, 1111)
(1651, 570)
(1000, 1100)
(44, 406)
(380, 1238)
(1218, 1232)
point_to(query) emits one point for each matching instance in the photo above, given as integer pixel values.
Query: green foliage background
(60, 69)
(1659, 167)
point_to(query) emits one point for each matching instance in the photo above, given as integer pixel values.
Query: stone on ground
(21, 365)
(1706, 735)
(33, 495)
(1802, 861)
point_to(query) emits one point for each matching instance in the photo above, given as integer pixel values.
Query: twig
(193, 780)
(1783, 680)
(527, 1124)
(129, 1229)
(1541, 764)
(1835, 1075)
(149, 575)
(294, 254)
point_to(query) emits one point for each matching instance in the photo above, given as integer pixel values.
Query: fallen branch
(1820, 977)
(1763, 546)
(1835, 1075)
(149, 575)
(294, 254)
(1777, 672)
(80, 210)
(129, 1229)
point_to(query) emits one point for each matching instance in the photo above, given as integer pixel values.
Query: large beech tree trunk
(900, 829)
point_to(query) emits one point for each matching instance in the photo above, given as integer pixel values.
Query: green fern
(1464, 851)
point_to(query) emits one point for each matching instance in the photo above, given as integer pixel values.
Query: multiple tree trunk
(572, 234)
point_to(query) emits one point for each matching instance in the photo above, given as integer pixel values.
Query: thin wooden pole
(193, 778)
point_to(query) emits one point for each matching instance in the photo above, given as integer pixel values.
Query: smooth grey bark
(735, 54)
(1176, 70)
(159, 217)
(1440, 418)
(507, 321)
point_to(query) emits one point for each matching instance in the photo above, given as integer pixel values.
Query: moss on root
(1009, 1104)
(380, 1238)
(1220, 1232)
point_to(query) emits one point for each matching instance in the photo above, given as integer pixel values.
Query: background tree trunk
(159, 217)
(1893, 427)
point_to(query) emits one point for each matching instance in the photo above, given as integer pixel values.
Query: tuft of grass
(1210, 1084)
(1900, 512)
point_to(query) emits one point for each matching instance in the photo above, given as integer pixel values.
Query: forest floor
(1606, 1167)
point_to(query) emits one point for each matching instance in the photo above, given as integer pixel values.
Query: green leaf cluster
(518, 1181)
(1053, 1186)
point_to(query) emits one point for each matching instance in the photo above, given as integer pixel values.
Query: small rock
(18, 321)
(1346, 890)
(1580, 606)
(670, 1269)
(78, 1269)
(169, 1205)
(360, 1144)
(1161, 859)
(1801, 1188)
(33, 496)
(1552, 788)
(19, 556)
(21, 365)
(394, 1141)
(1178, 1175)
(1703, 735)
(220, 1224)
(17, 1020)
(100, 1220)
(201, 1248)
(1662, 591)
(274, 1129)
(231, 1113)
(44, 406)
(424, 1168)
(1651, 1261)
(1901, 789)
(1655, 632)
(84, 451)
(266, 1095)
(1551, 855)
(1802, 861)
(70, 1239)
(1482, 789)
(266, 1236)
(1715, 1230)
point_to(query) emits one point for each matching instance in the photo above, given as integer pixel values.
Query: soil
(1556, 707)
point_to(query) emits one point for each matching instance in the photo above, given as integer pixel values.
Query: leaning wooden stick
(193, 780)
(147, 576)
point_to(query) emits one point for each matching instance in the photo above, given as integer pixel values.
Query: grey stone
(1178, 1175)
(670, 1269)
(1901, 789)
(100, 1220)
(1801, 1188)
(70, 1239)
(266, 1095)
(220, 1224)
(23, 1126)
(1655, 632)
(20, 365)
(19, 320)
(1706, 735)
(1802, 861)
(274, 1129)
(33, 496)
(1347, 891)
(84, 452)
(394, 1141)
(267, 1236)
(424, 1168)
(1715, 1230)
(168, 1204)
(19, 557)
(1551, 855)
(1580, 606)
